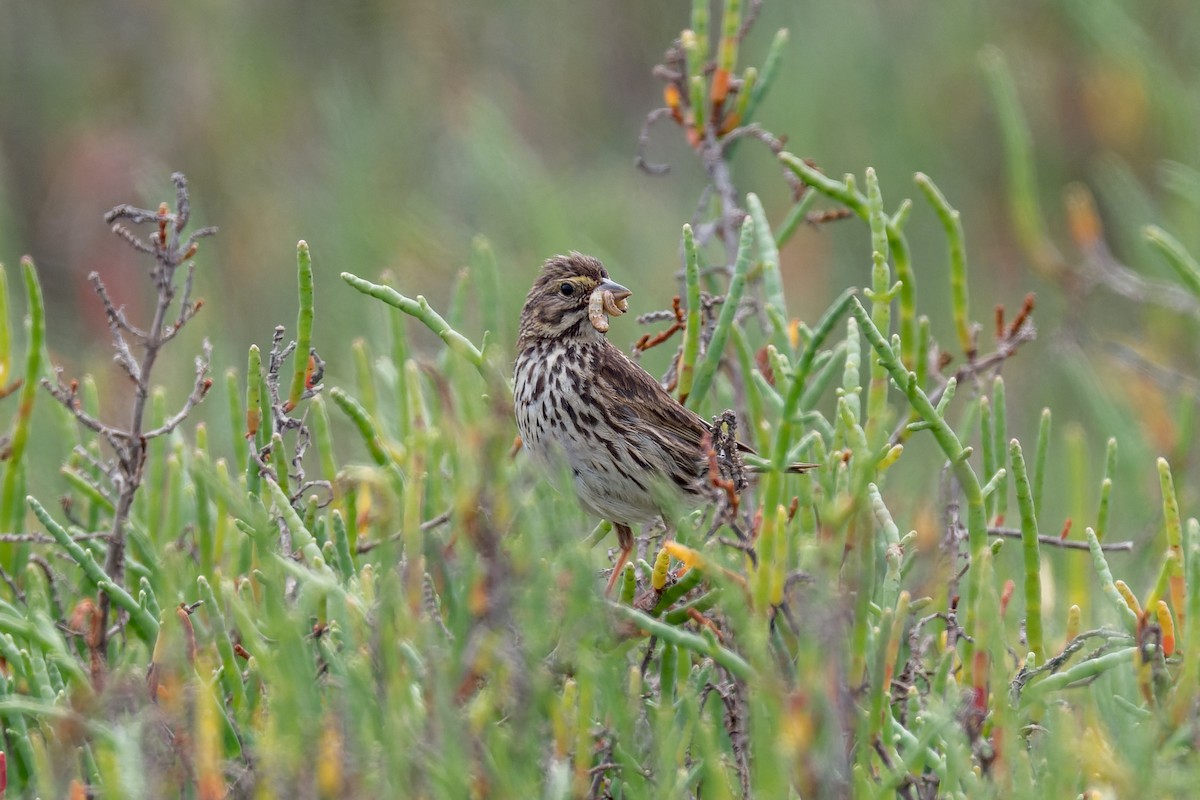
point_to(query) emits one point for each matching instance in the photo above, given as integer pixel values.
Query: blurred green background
(389, 135)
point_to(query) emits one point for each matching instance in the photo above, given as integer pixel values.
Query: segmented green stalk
(364, 380)
(1039, 461)
(881, 310)
(5, 331)
(707, 369)
(231, 673)
(769, 255)
(952, 223)
(11, 509)
(254, 422)
(767, 75)
(237, 417)
(420, 309)
(1031, 553)
(1128, 619)
(304, 325)
(691, 331)
(950, 445)
(704, 645)
(144, 623)
(1110, 468)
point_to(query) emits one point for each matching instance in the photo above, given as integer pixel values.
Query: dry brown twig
(282, 421)
(136, 352)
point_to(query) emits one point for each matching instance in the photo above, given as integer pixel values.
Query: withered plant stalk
(170, 249)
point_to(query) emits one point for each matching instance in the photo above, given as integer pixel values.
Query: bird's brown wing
(648, 408)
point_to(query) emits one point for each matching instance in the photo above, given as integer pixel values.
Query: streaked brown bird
(582, 402)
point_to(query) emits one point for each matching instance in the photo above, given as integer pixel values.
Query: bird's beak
(619, 292)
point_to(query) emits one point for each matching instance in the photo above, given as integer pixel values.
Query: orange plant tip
(1006, 595)
(1167, 624)
(1066, 530)
(1082, 220)
(720, 89)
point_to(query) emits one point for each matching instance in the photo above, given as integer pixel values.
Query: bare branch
(134, 215)
(41, 538)
(132, 239)
(68, 396)
(639, 160)
(774, 144)
(199, 390)
(183, 204)
(169, 252)
(1054, 541)
(116, 316)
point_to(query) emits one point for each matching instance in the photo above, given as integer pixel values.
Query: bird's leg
(625, 540)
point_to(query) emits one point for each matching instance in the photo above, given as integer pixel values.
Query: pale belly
(560, 427)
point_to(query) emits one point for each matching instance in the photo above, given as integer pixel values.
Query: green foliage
(424, 618)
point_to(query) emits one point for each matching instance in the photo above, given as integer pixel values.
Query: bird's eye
(567, 289)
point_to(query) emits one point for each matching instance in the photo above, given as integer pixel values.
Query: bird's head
(558, 304)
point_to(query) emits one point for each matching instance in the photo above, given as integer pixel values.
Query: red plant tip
(980, 663)
(207, 385)
(199, 304)
(1006, 595)
(653, 340)
(1066, 530)
(241, 652)
(999, 320)
(763, 362)
(793, 507)
(74, 386)
(1019, 320)
(700, 619)
(163, 211)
